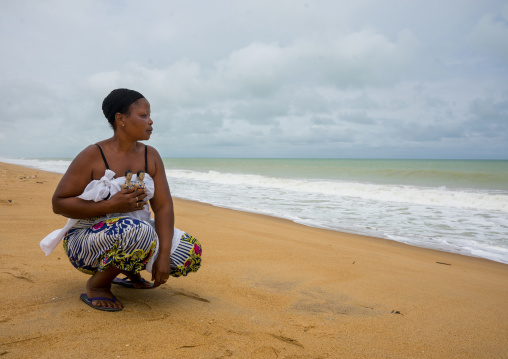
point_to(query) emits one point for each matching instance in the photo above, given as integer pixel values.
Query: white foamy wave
(58, 166)
(470, 222)
(376, 192)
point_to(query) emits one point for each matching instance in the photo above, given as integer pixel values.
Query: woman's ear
(119, 120)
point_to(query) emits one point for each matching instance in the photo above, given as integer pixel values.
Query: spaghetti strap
(104, 157)
(146, 155)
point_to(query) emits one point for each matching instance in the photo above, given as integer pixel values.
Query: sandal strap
(103, 298)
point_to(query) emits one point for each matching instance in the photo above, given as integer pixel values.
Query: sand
(268, 288)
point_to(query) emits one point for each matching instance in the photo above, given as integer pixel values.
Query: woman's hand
(128, 200)
(161, 270)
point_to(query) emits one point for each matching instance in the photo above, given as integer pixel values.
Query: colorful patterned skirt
(126, 243)
(187, 256)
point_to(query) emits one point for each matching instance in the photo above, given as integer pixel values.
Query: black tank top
(107, 166)
(106, 162)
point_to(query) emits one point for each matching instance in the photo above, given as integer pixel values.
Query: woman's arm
(73, 183)
(162, 206)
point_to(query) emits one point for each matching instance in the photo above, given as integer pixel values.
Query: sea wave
(466, 220)
(50, 165)
(477, 199)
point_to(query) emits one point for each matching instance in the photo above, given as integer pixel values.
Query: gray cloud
(490, 34)
(358, 117)
(258, 78)
(488, 118)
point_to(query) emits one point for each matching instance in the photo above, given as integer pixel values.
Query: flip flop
(84, 298)
(126, 282)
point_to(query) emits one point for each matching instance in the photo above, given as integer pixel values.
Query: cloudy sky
(256, 78)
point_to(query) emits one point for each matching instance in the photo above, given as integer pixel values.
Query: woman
(110, 231)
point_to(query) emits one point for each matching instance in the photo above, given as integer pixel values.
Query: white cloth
(98, 190)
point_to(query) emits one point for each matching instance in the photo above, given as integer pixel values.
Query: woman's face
(128, 176)
(137, 122)
(141, 176)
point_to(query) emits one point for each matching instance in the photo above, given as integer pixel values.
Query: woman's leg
(137, 281)
(99, 285)
(108, 248)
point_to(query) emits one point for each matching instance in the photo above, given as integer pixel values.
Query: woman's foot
(135, 281)
(99, 286)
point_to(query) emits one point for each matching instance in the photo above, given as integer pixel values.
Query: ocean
(459, 206)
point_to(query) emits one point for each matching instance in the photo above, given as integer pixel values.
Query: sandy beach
(268, 288)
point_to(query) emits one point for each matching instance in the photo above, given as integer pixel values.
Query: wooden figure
(128, 180)
(140, 176)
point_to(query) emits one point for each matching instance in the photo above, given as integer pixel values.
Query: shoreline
(268, 288)
(343, 231)
(358, 236)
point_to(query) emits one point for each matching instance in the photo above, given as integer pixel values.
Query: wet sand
(268, 288)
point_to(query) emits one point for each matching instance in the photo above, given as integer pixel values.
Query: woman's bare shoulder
(87, 156)
(152, 152)
(154, 160)
(85, 166)
(88, 164)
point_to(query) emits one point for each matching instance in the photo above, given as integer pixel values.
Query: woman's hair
(137, 174)
(118, 101)
(127, 172)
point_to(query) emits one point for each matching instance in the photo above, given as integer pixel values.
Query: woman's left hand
(161, 270)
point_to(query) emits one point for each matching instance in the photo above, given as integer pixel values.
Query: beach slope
(268, 288)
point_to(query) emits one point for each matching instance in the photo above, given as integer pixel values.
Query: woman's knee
(135, 231)
(187, 257)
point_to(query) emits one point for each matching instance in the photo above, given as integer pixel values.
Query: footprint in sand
(19, 275)
(265, 353)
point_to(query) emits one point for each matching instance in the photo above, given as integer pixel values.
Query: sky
(256, 78)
